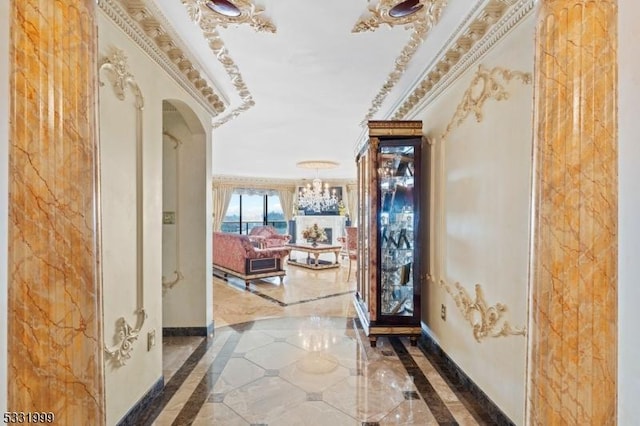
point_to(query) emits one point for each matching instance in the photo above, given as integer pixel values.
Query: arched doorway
(186, 231)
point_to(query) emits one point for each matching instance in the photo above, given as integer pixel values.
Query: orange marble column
(573, 310)
(54, 343)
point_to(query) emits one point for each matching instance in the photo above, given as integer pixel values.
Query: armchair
(267, 237)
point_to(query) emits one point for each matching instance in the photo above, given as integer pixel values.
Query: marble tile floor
(293, 354)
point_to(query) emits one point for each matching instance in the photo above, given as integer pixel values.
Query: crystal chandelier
(316, 196)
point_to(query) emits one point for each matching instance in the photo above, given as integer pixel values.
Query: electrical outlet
(443, 312)
(151, 339)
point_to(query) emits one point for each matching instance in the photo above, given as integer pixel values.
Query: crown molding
(495, 21)
(271, 183)
(208, 21)
(420, 23)
(150, 31)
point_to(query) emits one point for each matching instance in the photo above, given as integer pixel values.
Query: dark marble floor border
(481, 407)
(188, 331)
(280, 303)
(200, 394)
(144, 403)
(436, 405)
(174, 384)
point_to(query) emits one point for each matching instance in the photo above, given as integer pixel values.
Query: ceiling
(304, 91)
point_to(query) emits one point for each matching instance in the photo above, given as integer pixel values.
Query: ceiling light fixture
(405, 8)
(316, 196)
(224, 8)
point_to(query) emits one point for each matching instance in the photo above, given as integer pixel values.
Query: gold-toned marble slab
(54, 331)
(572, 345)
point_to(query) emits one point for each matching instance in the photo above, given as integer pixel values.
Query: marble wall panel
(55, 352)
(572, 347)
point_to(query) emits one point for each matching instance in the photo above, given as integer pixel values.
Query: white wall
(4, 164)
(189, 201)
(481, 200)
(629, 212)
(117, 141)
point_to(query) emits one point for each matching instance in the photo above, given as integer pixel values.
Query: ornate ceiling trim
(486, 321)
(144, 27)
(495, 20)
(268, 183)
(208, 21)
(249, 14)
(420, 22)
(485, 85)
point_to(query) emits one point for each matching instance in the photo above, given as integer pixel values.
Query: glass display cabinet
(387, 299)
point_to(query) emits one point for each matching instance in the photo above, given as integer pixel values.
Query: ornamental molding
(486, 321)
(486, 84)
(250, 14)
(145, 25)
(268, 183)
(420, 23)
(209, 21)
(495, 21)
(177, 143)
(121, 78)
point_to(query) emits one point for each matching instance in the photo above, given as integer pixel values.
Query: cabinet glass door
(397, 189)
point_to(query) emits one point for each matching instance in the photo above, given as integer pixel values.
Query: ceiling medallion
(209, 21)
(418, 15)
(476, 30)
(224, 7)
(317, 164)
(225, 12)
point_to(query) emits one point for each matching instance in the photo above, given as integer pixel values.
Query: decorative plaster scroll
(168, 285)
(487, 321)
(486, 84)
(145, 26)
(492, 23)
(420, 22)
(249, 14)
(121, 78)
(201, 15)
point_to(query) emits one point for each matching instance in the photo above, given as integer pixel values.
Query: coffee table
(316, 251)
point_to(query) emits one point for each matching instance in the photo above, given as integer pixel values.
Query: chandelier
(316, 196)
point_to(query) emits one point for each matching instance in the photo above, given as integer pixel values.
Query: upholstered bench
(235, 255)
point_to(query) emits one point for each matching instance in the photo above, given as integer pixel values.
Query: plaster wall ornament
(118, 71)
(250, 14)
(486, 84)
(486, 321)
(420, 22)
(169, 284)
(495, 20)
(144, 24)
(208, 21)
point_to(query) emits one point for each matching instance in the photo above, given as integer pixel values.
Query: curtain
(352, 203)
(286, 201)
(221, 199)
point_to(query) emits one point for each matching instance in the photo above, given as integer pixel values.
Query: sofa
(267, 236)
(235, 254)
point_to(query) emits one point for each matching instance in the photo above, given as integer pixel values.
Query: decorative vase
(314, 243)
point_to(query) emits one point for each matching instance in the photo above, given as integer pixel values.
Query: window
(247, 210)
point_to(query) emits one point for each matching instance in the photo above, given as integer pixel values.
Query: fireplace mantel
(334, 223)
